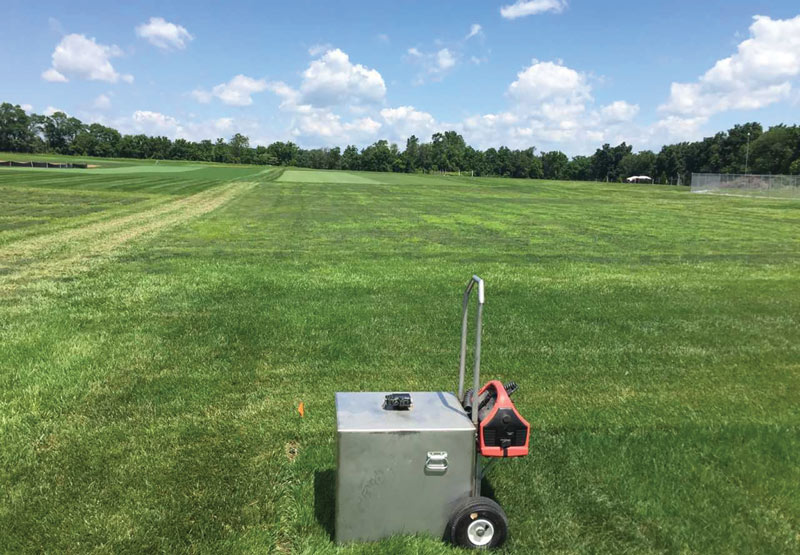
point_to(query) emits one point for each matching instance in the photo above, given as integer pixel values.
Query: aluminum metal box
(400, 472)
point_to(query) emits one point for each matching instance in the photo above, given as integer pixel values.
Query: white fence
(784, 186)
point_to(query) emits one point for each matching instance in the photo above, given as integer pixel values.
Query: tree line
(744, 148)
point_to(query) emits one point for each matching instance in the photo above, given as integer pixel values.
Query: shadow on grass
(324, 499)
(486, 489)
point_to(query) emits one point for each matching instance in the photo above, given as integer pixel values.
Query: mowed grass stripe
(323, 176)
(140, 178)
(71, 251)
(27, 212)
(26, 197)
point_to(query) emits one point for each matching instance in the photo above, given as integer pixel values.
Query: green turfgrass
(323, 176)
(172, 180)
(109, 162)
(148, 394)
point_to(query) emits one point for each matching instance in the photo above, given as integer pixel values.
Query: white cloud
(551, 91)
(236, 92)
(27, 107)
(156, 123)
(674, 128)
(53, 76)
(549, 105)
(523, 8)
(163, 34)
(50, 110)
(405, 121)
(289, 95)
(434, 64)
(619, 112)
(82, 57)
(329, 83)
(549, 80)
(329, 127)
(384, 38)
(102, 102)
(760, 73)
(323, 125)
(445, 59)
(333, 80)
(474, 30)
(367, 125)
(318, 49)
(202, 96)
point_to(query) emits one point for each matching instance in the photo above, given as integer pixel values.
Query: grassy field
(158, 330)
(109, 162)
(325, 176)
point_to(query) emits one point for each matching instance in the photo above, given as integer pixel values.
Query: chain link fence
(784, 186)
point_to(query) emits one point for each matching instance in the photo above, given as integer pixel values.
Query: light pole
(747, 154)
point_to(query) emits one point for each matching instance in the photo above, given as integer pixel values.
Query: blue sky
(553, 74)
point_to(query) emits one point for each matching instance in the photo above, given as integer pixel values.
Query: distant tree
(504, 162)
(605, 162)
(524, 164)
(554, 165)
(474, 161)
(180, 150)
(60, 130)
(671, 163)
(284, 154)
(425, 158)
(351, 159)
(316, 158)
(81, 144)
(17, 130)
(237, 146)
(580, 169)
(160, 148)
(448, 150)
(491, 160)
(221, 151)
(642, 163)
(775, 150)
(335, 158)
(411, 154)
(105, 141)
(205, 150)
(398, 165)
(377, 157)
(733, 148)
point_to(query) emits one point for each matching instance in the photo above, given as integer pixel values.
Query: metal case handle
(436, 461)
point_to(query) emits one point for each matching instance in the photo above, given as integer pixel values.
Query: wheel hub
(480, 532)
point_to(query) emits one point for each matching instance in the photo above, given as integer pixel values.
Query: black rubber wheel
(478, 523)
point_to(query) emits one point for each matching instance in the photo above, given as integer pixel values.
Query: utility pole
(747, 154)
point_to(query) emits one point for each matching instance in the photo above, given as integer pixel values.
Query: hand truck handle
(476, 372)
